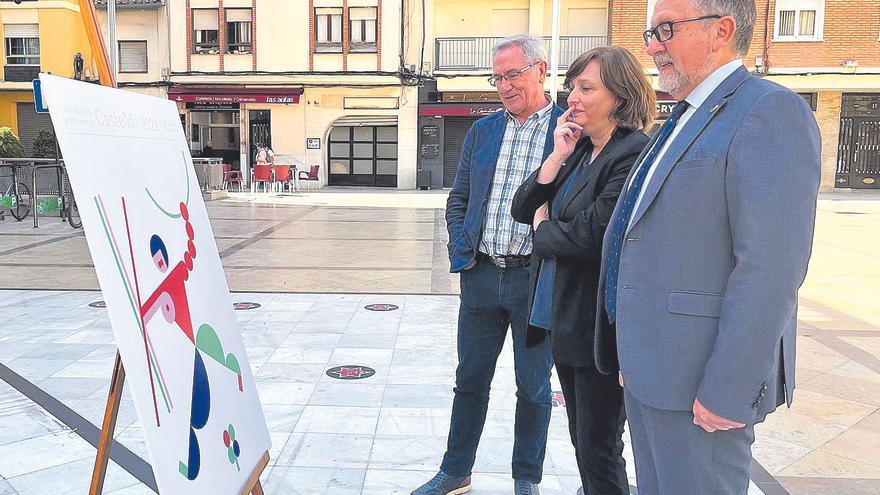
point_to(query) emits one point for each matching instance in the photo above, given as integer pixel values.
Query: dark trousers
(676, 457)
(594, 404)
(493, 299)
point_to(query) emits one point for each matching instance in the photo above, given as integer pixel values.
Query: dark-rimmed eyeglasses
(512, 75)
(665, 31)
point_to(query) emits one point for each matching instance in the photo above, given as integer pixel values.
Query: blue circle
(236, 448)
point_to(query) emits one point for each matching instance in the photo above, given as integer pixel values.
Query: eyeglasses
(512, 75)
(664, 31)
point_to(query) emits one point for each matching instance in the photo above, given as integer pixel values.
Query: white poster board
(157, 262)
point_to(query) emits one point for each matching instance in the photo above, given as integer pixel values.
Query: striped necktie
(622, 218)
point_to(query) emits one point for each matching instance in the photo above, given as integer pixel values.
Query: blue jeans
(492, 299)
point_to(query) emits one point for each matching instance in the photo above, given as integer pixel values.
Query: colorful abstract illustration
(162, 279)
(170, 299)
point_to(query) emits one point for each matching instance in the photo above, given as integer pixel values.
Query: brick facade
(312, 28)
(345, 35)
(379, 36)
(221, 27)
(189, 36)
(851, 30)
(254, 34)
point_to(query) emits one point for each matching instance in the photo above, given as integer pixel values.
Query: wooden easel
(111, 412)
(108, 426)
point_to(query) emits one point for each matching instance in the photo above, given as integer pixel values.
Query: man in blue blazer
(492, 251)
(705, 253)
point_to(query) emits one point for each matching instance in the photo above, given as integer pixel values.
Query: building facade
(826, 50)
(38, 36)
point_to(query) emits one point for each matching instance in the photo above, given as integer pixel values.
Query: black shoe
(525, 488)
(443, 484)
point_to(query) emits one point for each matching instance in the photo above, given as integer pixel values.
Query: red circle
(189, 231)
(226, 438)
(184, 212)
(187, 259)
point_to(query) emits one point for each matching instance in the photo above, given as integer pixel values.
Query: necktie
(621, 220)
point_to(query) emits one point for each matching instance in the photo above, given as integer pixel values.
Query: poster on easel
(160, 273)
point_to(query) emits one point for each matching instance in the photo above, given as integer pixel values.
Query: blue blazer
(469, 197)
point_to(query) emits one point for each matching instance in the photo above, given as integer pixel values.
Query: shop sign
(212, 106)
(236, 99)
(664, 108)
(313, 143)
(459, 110)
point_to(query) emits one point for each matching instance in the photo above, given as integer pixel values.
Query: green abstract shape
(163, 210)
(181, 467)
(232, 458)
(231, 430)
(208, 342)
(232, 364)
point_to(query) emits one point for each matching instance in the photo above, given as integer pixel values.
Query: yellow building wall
(62, 35)
(8, 104)
(454, 18)
(565, 6)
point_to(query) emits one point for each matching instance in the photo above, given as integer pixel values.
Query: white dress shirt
(697, 97)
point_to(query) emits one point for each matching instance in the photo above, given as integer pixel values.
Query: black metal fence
(475, 53)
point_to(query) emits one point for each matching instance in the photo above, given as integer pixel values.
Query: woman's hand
(541, 214)
(565, 137)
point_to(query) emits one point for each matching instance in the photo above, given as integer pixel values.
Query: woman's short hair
(625, 77)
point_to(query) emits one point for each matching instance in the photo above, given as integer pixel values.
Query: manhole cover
(558, 399)
(98, 304)
(244, 306)
(349, 372)
(381, 307)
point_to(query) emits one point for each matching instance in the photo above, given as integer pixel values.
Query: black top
(573, 237)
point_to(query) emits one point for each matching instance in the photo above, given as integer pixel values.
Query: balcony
(20, 73)
(476, 53)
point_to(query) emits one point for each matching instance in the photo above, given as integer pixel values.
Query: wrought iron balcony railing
(475, 53)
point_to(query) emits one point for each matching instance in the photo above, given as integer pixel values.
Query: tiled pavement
(387, 431)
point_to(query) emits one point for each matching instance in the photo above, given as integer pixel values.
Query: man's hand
(541, 214)
(710, 421)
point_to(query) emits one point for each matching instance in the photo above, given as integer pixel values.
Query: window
(362, 28)
(328, 29)
(799, 20)
(238, 31)
(22, 44)
(206, 31)
(133, 57)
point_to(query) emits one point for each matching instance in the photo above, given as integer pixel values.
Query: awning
(234, 94)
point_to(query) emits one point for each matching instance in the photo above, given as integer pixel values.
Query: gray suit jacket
(714, 257)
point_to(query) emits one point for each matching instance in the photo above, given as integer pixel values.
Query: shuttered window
(133, 57)
(328, 29)
(362, 28)
(206, 31)
(22, 42)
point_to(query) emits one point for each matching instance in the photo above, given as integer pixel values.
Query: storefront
(213, 119)
(442, 128)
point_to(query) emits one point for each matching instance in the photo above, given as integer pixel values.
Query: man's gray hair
(743, 13)
(532, 47)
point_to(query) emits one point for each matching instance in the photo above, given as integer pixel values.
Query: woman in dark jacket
(569, 200)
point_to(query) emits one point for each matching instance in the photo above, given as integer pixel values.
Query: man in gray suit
(705, 253)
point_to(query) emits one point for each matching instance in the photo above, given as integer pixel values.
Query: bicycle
(16, 198)
(69, 210)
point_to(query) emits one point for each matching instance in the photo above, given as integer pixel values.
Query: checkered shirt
(521, 152)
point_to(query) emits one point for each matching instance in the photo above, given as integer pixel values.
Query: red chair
(261, 174)
(231, 177)
(282, 176)
(311, 175)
